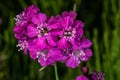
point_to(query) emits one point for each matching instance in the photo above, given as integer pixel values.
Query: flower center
(98, 75)
(67, 33)
(45, 52)
(23, 45)
(42, 54)
(43, 31)
(67, 51)
(80, 54)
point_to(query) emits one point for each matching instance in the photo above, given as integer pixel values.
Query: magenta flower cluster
(94, 76)
(90, 76)
(52, 39)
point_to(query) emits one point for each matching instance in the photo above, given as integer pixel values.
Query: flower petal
(50, 41)
(62, 43)
(20, 32)
(64, 14)
(66, 22)
(85, 43)
(39, 43)
(56, 33)
(72, 62)
(30, 12)
(42, 61)
(88, 52)
(17, 29)
(32, 31)
(39, 19)
(74, 43)
(54, 23)
(71, 14)
(33, 55)
(56, 55)
(45, 61)
(79, 28)
(79, 24)
(81, 77)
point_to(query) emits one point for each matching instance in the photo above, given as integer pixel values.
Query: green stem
(74, 7)
(56, 73)
(42, 68)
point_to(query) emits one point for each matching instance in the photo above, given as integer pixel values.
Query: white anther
(69, 32)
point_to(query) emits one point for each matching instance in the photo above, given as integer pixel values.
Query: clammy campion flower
(26, 15)
(70, 28)
(75, 57)
(71, 40)
(41, 31)
(22, 21)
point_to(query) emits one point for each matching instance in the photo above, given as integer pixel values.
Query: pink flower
(40, 31)
(25, 17)
(75, 57)
(81, 77)
(47, 57)
(23, 46)
(71, 29)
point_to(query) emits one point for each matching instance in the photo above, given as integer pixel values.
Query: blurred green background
(102, 27)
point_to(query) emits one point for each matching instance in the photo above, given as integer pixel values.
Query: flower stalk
(56, 72)
(74, 7)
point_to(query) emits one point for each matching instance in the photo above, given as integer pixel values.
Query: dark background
(102, 27)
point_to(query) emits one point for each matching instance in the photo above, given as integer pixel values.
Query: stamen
(41, 54)
(22, 46)
(82, 53)
(19, 18)
(43, 31)
(37, 54)
(17, 45)
(69, 34)
(38, 60)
